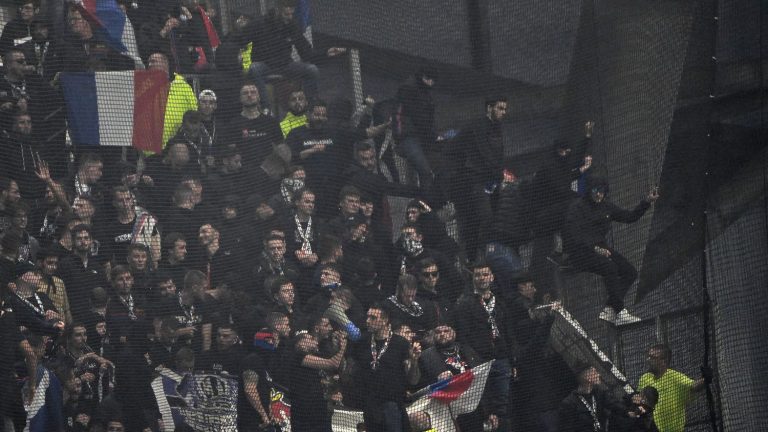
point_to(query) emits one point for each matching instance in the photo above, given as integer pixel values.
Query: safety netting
(297, 215)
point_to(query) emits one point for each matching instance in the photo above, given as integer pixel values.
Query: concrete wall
(435, 31)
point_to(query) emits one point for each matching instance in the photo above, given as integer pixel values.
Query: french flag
(123, 108)
(111, 24)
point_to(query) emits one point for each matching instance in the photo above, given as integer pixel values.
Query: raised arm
(629, 216)
(412, 369)
(44, 174)
(327, 364)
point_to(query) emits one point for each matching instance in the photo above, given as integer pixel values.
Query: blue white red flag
(443, 401)
(110, 23)
(448, 390)
(446, 399)
(124, 109)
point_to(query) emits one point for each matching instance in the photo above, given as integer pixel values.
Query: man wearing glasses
(22, 87)
(32, 101)
(433, 288)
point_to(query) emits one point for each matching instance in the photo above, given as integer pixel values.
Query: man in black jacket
(19, 29)
(273, 44)
(81, 51)
(420, 315)
(482, 145)
(87, 180)
(175, 28)
(543, 377)
(509, 229)
(229, 66)
(363, 175)
(197, 139)
(446, 359)
(40, 47)
(22, 155)
(33, 310)
(482, 323)
(81, 271)
(435, 288)
(389, 364)
(435, 233)
(323, 151)
(410, 244)
(258, 370)
(552, 183)
(414, 123)
(587, 223)
(12, 342)
(174, 257)
(254, 133)
(550, 193)
(31, 94)
(588, 408)
(272, 262)
(282, 299)
(227, 354)
(126, 311)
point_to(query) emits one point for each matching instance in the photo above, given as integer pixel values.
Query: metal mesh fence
(301, 215)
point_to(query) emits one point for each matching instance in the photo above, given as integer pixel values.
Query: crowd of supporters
(260, 244)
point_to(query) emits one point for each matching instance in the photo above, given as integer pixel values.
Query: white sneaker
(608, 314)
(624, 318)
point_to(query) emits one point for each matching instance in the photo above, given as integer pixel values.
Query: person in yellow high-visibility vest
(245, 55)
(297, 112)
(676, 390)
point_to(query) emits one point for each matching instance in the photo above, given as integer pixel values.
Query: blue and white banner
(45, 412)
(204, 402)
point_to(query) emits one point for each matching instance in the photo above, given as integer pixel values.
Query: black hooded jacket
(274, 40)
(21, 156)
(473, 327)
(511, 223)
(416, 111)
(483, 147)
(552, 183)
(13, 33)
(587, 222)
(574, 416)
